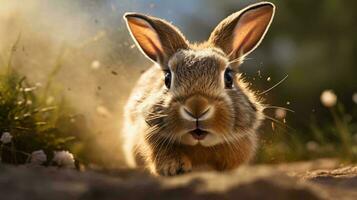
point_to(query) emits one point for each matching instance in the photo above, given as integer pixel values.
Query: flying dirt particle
(99, 88)
(114, 73)
(95, 64)
(259, 74)
(284, 120)
(132, 46)
(103, 111)
(268, 79)
(288, 103)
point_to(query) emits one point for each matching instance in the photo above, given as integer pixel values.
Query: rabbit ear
(240, 33)
(157, 39)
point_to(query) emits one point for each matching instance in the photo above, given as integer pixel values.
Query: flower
(312, 146)
(64, 159)
(6, 137)
(354, 97)
(328, 98)
(280, 113)
(38, 157)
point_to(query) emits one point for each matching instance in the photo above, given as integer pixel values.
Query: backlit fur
(156, 135)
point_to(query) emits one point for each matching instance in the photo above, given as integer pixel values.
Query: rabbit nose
(196, 108)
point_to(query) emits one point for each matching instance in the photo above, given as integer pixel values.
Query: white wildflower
(95, 64)
(64, 159)
(6, 137)
(312, 146)
(38, 157)
(354, 97)
(29, 102)
(328, 98)
(280, 113)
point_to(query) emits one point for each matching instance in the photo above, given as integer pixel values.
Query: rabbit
(192, 108)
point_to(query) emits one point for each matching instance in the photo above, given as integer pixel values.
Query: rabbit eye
(228, 78)
(167, 78)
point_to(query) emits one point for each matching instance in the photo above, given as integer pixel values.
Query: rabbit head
(201, 97)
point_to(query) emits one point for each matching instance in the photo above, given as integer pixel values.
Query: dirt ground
(321, 179)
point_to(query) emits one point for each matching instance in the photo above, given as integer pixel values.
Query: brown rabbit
(192, 108)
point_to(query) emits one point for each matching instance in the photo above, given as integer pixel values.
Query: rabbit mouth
(199, 134)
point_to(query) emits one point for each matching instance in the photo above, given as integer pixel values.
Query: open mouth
(199, 134)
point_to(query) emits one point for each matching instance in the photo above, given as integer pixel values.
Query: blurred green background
(313, 42)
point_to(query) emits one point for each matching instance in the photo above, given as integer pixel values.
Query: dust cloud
(82, 49)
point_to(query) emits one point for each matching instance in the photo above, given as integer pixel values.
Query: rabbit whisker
(277, 84)
(278, 107)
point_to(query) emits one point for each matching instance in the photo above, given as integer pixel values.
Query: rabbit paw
(174, 166)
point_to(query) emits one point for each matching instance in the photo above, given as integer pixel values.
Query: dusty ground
(323, 179)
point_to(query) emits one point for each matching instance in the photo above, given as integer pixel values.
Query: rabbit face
(203, 104)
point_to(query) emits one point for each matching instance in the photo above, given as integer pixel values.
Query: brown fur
(156, 133)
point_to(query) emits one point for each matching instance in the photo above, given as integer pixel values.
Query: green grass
(336, 139)
(36, 117)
